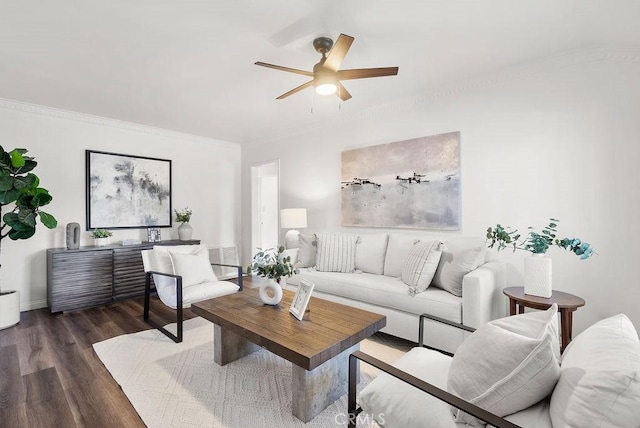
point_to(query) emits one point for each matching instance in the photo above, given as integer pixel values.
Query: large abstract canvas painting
(126, 191)
(409, 184)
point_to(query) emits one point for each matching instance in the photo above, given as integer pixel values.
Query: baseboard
(36, 304)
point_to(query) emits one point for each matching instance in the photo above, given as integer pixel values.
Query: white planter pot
(101, 242)
(537, 275)
(270, 293)
(9, 309)
(185, 231)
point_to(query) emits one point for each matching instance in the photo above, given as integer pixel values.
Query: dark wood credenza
(94, 276)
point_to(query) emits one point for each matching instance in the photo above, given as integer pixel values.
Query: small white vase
(9, 308)
(537, 275)
(185, 231)
(270, 292)
(101, 242)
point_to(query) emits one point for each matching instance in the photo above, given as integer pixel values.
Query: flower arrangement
(101, 233)
(537, 243)
(271, 264)
(183, 216)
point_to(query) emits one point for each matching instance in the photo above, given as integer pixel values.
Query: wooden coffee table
(318, 346)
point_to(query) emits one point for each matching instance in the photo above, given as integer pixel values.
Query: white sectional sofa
(375, 284)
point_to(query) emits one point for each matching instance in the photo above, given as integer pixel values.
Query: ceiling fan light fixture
(326, 89)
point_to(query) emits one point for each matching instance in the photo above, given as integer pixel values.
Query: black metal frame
(147, 300)
(354, 410)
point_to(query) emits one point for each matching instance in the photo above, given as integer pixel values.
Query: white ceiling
(188, 65)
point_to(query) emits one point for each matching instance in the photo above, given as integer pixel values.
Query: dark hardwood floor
(51, 377)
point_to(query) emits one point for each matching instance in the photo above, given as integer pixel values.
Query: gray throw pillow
(307, 253)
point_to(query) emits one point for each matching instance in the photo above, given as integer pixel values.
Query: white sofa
(376, 285)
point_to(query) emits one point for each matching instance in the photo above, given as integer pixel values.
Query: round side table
(567, 305)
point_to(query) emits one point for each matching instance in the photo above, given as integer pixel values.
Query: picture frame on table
(301, 299)
(153, 234)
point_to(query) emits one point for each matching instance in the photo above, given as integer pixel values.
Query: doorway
(265, 205)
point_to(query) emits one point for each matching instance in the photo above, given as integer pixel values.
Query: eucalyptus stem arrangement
(272, 264)
(536, 242)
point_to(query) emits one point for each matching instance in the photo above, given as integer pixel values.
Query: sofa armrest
(482, 298)
(442, 321)
(453, 400)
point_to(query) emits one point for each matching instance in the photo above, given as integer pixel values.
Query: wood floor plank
(34, 353)
(46, 401)
(11, 390)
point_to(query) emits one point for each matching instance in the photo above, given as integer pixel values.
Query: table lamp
(292, 218)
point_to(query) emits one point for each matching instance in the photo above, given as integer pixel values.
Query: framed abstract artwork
(125, 191)
(406, 184)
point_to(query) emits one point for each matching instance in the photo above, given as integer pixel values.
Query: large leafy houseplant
(21, 194)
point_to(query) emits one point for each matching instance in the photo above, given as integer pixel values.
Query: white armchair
(182, 275)
(510, 368)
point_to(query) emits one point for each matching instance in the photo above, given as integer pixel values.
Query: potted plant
(101, 237)
(537, 269)
(21, 195)
(271, 264)
(185, 230)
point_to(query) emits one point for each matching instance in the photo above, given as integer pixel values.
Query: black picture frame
(127, 191)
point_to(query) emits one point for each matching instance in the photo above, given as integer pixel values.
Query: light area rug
(179, 385)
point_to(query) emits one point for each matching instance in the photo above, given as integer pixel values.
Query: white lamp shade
(292, 218)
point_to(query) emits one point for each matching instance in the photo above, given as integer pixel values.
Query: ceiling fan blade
(362, 73)
(338, 52)
(281, 68)
(294, 90)
(343, 93)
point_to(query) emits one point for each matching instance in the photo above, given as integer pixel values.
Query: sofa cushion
(421, 265)
(307, 251)
(459, 257)
(508, 364)
(394, 403)
(370, 252)
(383, 291)
(397, 251)
(336, 252)
(161, 262)
(600, 380)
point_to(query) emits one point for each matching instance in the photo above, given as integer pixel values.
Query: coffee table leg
(314, 390)
(228, 346)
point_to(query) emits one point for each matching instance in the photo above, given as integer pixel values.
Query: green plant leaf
(27, 217)
(6, 183)
(9, 196)
(25, 182)
(48, 220)
(42, 197)
(29, 165)
(17, 161)
(26, 233)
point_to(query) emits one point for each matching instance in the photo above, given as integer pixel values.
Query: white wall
(206, 177)
(558, 138)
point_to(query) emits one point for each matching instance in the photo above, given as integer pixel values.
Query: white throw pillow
(600, 380)
(161, 261)
(370, 252)
(421, 265)
(508, 364)
(194, 269)
(459, 257)
(397, 251)
(336, 252)
(307, 251)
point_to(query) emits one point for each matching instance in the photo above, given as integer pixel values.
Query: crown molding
(41, 110)
(565, 59)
